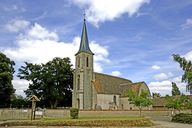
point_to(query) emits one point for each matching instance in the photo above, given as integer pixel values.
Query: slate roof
(107, 84)
(84, 45)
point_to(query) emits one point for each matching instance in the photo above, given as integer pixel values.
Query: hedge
(182, 118)
(74, 113)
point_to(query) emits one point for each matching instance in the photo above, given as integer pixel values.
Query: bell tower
(83, 74)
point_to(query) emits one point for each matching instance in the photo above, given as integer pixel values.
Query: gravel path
(166, 124)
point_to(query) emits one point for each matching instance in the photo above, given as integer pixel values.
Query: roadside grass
(83, 121)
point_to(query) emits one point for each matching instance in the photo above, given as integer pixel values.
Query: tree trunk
(53, 103)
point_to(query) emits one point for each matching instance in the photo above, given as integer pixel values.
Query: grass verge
(96, 122)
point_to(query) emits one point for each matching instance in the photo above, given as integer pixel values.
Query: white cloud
(161, 76)
(188, 56)
(165, 87)
(188, 24)
(116, 73)
(20, 86)
(41, 33)
(39, 45)
(102, 10)
(177, 79)
(17, 25)
(155, 67)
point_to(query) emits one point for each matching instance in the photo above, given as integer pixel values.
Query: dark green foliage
(189, 105)
(182, 118)
(6, 77)
(51, 82)
(20, 102)
(155, 95)
(142, 100)
(187, 68)
(176, 102)
(74, 113)
(175, 89)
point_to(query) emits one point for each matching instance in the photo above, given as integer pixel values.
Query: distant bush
(183, 118)
(74, 113)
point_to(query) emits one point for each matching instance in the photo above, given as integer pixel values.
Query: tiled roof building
(99, 91)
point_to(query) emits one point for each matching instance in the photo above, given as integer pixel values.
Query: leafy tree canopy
(175, 89)
(187, 68)
(6, 77)
(51, 82)
(176, 102)
(142, 100)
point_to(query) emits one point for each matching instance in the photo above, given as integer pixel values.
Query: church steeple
(83, 74)
(84, 45)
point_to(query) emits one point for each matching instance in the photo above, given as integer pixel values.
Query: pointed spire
(84, 45)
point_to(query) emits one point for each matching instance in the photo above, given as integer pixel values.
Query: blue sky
(134, 39)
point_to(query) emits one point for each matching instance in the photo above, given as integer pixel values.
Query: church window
(78, 103)
(78, 62)
(115, 100)
(78, 82)
(87, 62)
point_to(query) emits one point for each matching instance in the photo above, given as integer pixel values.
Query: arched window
(87, 62)
(78, 103)
(115, 100)
(78, 82)
(78, 62)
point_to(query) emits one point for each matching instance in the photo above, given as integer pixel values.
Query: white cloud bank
(37, 44)
(102, 10)
(116, 73)
(17, 25)
(188, 55)
(187, 24)
(164, 87)
(20, 86)
(163, 76)
(155, 67)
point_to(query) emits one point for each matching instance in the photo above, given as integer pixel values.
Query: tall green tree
(51, 82)
(187, 68)
(175, 90)
(142, 100)
(6, 77)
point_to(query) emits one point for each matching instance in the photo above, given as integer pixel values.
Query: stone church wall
(107, 101)
(125, 105)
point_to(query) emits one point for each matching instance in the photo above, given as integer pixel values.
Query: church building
(99, 91)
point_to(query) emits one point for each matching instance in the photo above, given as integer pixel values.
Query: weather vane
(84, 15)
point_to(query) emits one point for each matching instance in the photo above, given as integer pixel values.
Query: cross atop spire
(84, 16)
(84, 45)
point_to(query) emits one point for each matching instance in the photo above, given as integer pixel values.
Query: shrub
(183, 118)
(74, 113)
